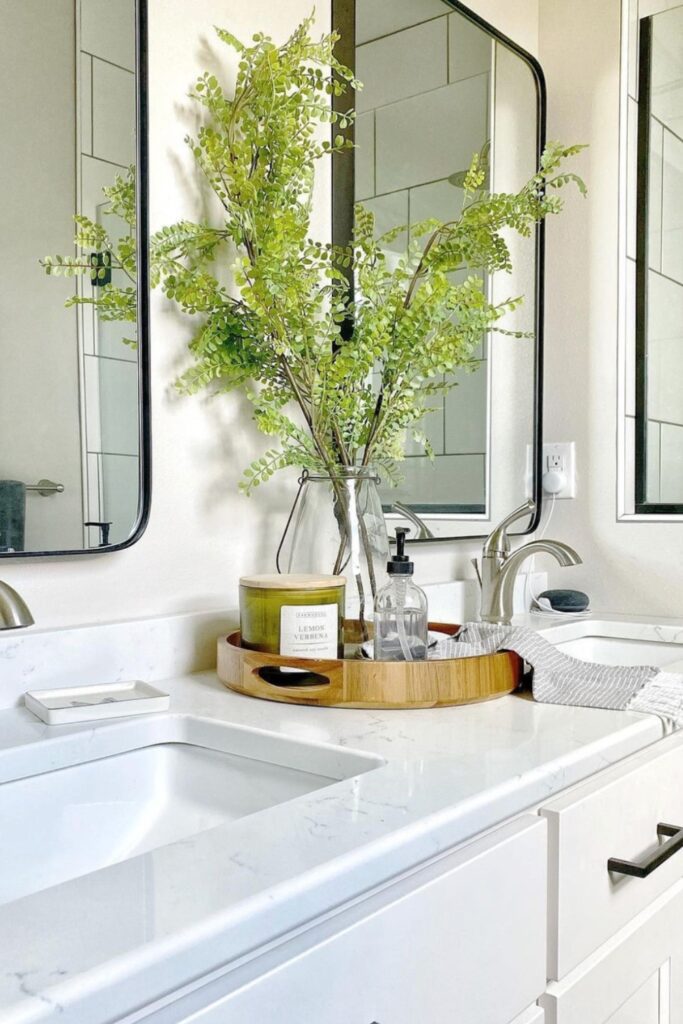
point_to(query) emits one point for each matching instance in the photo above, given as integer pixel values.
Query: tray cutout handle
(294, 678)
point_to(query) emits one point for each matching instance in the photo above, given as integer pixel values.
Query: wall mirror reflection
(74, 462)
(438, 87)
(659, 263)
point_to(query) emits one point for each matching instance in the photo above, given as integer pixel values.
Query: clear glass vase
(337, 526)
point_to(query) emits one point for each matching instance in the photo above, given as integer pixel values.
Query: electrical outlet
(559, 460)
(556, 458)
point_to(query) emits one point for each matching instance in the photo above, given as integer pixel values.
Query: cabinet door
(460, 939)
(650, 1004)
(613, 814)
(635, 978)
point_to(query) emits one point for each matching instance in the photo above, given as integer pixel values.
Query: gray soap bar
(566, 600)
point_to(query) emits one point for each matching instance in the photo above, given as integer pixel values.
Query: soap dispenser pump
(400, 611)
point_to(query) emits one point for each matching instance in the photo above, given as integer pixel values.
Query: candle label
(309, 630)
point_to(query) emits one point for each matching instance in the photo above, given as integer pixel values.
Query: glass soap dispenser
(400, 611)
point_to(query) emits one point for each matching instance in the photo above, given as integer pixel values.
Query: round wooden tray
(362, 683)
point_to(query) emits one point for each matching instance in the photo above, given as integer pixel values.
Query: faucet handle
(498, 542)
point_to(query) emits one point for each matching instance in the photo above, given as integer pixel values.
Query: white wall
(629, 566)
(202, 535)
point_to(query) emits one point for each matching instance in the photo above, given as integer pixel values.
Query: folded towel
(560, 679)
(12, 515)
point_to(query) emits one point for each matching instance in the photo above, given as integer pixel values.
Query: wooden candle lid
(292, 581)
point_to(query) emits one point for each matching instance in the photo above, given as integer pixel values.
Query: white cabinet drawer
(613, 814)
(635, 978)
(460, 939)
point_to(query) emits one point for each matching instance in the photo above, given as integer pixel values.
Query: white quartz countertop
(101, 946)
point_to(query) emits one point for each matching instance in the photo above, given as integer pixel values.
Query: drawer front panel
(613, 815)
(462, 939)
(636, 978)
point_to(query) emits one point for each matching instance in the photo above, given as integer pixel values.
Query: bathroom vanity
(233, 861)
(237, 861)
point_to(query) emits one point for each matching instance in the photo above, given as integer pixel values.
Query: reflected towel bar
(46, 487)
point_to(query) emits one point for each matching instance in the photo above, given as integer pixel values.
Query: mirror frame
(344, 21)
(642, 505)
(142, 229)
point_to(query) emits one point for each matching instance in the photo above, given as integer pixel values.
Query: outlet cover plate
(561, 457)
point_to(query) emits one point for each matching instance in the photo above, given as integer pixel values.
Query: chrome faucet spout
(14, 612)
(423, 531)
(499, 568)
(562, 553)
(498, 540)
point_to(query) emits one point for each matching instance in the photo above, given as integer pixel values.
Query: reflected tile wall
(375, 18)
(424, 113)
(665, 258)
(106, 96)
(654, 461)
(113, 113)
(404, 64)
(665, 286)
(451, 481)
(670, 207)
(120, 489)
(671, 463)
(417, 139)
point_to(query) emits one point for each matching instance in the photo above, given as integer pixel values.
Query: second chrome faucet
(14, 612)
(499, 567)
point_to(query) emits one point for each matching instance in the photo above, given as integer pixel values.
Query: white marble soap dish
(94, 703)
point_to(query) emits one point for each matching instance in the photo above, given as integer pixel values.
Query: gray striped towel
(560, 679)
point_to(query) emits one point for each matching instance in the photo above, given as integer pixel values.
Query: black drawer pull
(643, 868)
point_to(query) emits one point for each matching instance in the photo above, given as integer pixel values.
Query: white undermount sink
(620, 643)
(96, 796)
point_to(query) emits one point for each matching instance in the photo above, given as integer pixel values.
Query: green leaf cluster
(332, 397)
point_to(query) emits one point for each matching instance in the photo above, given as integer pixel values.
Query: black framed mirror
(75, 466)
(659, 266)
(440, 84)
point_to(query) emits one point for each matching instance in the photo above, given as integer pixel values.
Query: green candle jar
(297, 614)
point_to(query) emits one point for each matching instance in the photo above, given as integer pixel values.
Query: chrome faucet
(499, 567)
(14, 612)
(423, 531)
